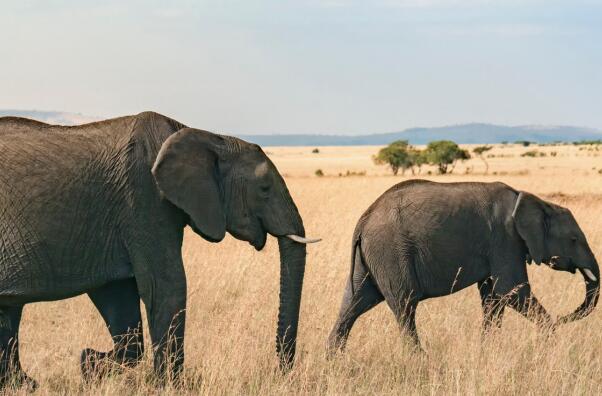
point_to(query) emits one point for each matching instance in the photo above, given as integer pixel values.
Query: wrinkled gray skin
(422, 239)
(101, 209)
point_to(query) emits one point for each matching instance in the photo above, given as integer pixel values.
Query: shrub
(315, 151)
(319, 173)
(353, 173)
(533, 153)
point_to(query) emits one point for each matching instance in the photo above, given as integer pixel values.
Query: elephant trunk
(592, 294)
(292, 268)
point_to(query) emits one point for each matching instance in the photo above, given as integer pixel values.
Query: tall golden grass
(233, 293)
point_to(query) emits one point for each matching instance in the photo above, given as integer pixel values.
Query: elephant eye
(573, 239)
(264, 189)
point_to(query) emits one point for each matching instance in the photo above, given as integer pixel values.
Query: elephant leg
(404, 309)
(493, 307)
(119, 304)
(402, 294)
(360, 296)
(165, 302)
(11, 373)
(394, 273)
(512, 285)
(524, 302)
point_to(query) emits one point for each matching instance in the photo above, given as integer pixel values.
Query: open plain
(232, 300)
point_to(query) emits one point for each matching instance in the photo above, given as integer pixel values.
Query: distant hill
(464, 133)
(51, 117)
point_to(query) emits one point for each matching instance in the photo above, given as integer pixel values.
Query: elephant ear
(530, 220)
(186, 172)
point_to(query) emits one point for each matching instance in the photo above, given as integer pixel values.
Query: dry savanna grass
(233, 293)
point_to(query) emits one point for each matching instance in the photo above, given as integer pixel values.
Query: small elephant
(422, 239)
(101, 209)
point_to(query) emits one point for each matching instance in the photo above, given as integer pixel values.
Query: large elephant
(422, 239)
(101, 209)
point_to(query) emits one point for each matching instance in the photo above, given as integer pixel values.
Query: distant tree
(525, 143)
(418, 159)
(587, 142)
(479, 151)
(315, 151)
(444, 153)
(398, 155)
(463, 155)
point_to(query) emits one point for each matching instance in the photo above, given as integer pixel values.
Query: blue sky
(314, 66)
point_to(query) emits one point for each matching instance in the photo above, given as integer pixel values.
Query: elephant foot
(95, 365)
(549, 327)
(332, 350)
(416, 348)
(19, 380)
(28, 383)
(548, 331)
(420, 352)
(336, 344)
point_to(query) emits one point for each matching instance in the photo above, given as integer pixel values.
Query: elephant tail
(357, 261)
(357, 258)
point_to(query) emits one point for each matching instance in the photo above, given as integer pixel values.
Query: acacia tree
(443, 153)
(479, 151)
(418, 159)
(398, 155)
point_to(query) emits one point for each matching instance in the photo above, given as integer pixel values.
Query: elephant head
(553, 237)
(226, 184)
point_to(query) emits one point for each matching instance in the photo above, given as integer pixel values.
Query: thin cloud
(448, 3)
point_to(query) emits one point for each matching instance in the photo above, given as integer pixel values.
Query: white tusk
(554, 257)
(299, 239)
(590, 275)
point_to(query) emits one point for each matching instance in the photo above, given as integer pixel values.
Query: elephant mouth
(206, 237)
(559, 263)
(259, 242)
(252, 232)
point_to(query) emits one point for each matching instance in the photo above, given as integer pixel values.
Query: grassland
(233, 301)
